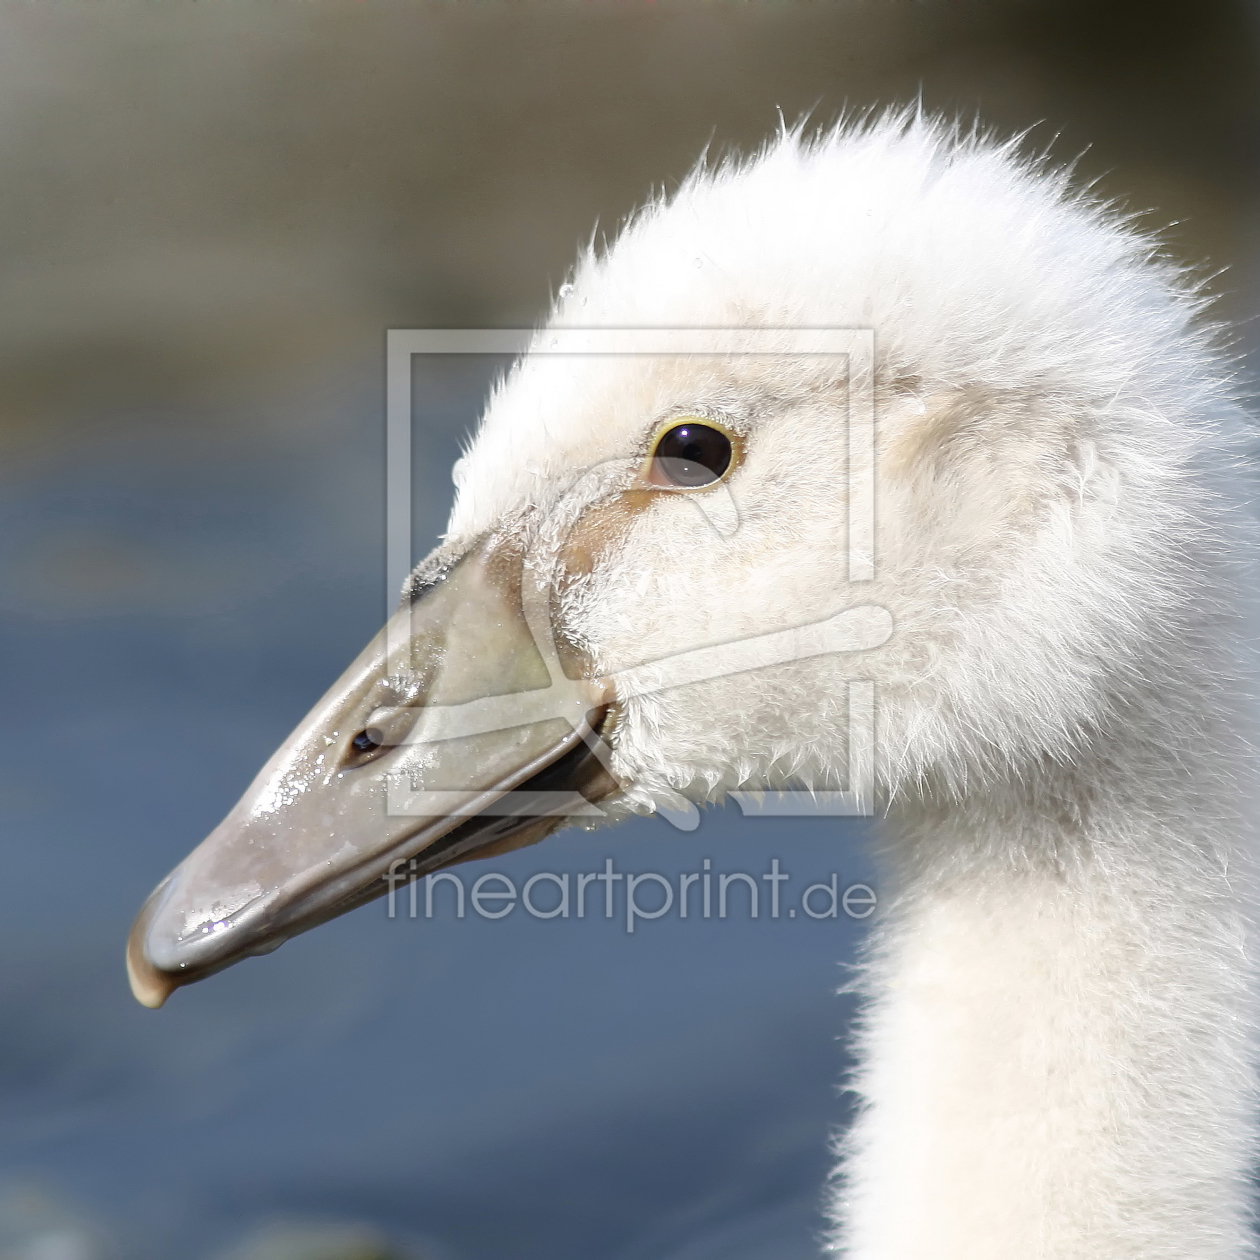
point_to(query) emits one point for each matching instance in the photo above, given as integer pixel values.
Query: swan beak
(456, 734)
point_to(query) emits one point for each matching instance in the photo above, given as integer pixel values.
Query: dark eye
(690, 455)
(368, 740)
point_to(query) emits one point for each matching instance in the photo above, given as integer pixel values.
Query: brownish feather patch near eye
(602, 528)
(599, 532)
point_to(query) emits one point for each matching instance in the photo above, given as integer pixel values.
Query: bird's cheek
(590, 564)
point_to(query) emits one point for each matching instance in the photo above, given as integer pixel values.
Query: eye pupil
(691, 455)
(369, 739)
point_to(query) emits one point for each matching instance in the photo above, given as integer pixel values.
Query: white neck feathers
(1057, 1058)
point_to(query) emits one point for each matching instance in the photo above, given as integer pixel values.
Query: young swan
(1056, 1047)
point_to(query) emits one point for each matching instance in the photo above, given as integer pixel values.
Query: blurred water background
(209, 215)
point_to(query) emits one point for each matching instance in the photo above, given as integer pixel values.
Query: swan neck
(1056, 1056)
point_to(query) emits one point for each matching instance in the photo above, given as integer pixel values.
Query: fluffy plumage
(1056, 1050)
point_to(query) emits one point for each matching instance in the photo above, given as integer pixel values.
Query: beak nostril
(368, 740)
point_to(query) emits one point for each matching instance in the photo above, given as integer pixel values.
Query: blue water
(175, 591)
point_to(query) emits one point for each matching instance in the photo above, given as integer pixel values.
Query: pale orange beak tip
(149, 986)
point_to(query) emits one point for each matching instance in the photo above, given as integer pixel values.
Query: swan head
(656, 582)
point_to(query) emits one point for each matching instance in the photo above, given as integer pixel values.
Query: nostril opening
(369, 739)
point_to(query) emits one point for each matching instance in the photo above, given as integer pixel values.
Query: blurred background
(209, 216)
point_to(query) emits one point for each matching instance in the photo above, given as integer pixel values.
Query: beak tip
(149, 986)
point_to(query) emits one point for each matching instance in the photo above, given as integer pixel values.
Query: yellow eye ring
(690, 453)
